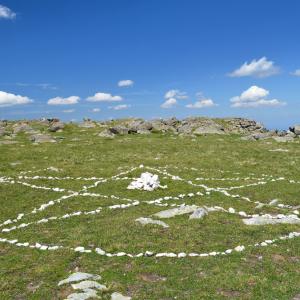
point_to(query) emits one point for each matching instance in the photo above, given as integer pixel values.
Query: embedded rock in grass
(283, 139)
(146, 182)
(263, 220)
(42, 138)
(55, 126)
(169, 213)
(106, 134)
(145, 221)
(199, 213)
(118, 296)
(85, 294)
(79, 276)
(89, 284)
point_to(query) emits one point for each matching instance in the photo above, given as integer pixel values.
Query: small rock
(79, 276)
(42, 138)
(199, 213)
(145, 221)
(89, 284)
(118, 296)
(169, 213)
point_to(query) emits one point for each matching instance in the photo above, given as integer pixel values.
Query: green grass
(257, 273)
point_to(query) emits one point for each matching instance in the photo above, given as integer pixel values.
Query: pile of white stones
(147, 182)
(87, 286)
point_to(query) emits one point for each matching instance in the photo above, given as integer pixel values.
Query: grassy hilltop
(217, 160)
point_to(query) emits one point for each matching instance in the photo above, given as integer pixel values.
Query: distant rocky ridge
(40, 130)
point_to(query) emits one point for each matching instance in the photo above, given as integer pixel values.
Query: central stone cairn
(147, 182)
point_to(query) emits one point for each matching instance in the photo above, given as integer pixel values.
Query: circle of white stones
(14, 223)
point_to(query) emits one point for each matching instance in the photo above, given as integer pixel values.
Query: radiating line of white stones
(134, 203)
(156, 202)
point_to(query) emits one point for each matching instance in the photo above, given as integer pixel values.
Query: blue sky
(70, 51)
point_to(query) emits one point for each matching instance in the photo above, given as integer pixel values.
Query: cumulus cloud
(119, 107)
(169, 103)
(256, 68)
(68, 111)
(104, 97)
(6, 13)
(202, 104)
(96, 109)
(296, 73)
(171, 97)
(63, 101)
(8, 99)
(254, 97)
(175, 94)
(124, 83)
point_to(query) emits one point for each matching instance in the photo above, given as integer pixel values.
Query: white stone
(145, 221)
(118, 296)
(89, 284)
(79, 276)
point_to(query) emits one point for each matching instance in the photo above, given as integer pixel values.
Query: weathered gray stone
(106, 134)
(85, 294)
(119, 130)
(261, 220)
(145, 221)
(208, 130)
(22, 127)
(296, 129)
(55, 126)
(199, 213)
(79, 276)
(169, 213)
(283, 139)
(118, 296)
(42, 138)
(89, 284)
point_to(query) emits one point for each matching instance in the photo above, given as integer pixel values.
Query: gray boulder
(106, 134)
(22, 127)
(283, 139)
(295, 129)
(56, 126)
(42, 138)
(209, 130)
(139, 125)
(119, 130)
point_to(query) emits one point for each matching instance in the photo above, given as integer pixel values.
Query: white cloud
(6, 13)
(104, 97)
(169, 103)
(8, 99)
(175, 94)
(296, 73)
(119, 107)
(124, 83)
(68, 111)
(63, 101)
(96, 109)
(202, 104)
(256, 68)
(254, 97)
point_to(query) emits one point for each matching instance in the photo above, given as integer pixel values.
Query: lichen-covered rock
(42, 138)
(79, 276)
(106, 134)
(119, 130)
(55, 126)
